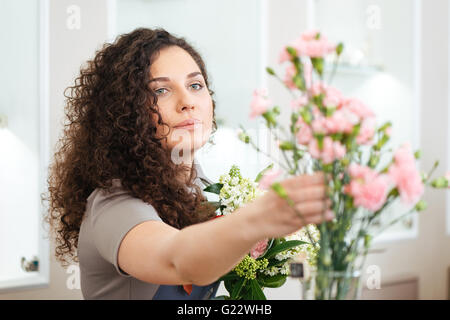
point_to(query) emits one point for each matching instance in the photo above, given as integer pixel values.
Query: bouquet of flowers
(267, 264)
(339, 136)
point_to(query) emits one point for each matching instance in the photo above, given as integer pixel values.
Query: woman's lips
(189, 124)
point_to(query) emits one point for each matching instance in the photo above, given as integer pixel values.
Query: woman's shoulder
(116, 198)
(102, 194)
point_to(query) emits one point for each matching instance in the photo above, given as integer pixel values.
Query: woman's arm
(200, 254)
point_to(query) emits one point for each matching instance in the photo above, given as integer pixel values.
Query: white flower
(307, 249)
(236, 191)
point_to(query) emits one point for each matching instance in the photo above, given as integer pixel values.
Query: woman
(126, 196)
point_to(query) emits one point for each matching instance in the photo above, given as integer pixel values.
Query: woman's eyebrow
(165, 79)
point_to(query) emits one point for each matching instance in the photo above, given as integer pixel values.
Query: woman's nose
(186, 107)
(185, 102)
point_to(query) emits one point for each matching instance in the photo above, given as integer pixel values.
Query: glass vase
(331, 285)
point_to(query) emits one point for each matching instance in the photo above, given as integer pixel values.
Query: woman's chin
(184, 152)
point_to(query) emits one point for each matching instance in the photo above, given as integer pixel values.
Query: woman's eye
(158, 91)
(197, 84)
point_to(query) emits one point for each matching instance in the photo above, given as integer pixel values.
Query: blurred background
(396, 59)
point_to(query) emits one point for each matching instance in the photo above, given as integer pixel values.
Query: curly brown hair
(110, 135)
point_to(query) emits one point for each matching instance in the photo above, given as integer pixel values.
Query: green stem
(264, 153)
(395, 221)
(283, 152)
(284, 84)
(435, 165)
(333, 72)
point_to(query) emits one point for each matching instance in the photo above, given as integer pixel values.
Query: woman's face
(182, 96)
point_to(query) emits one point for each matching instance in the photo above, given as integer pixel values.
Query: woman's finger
(315, 207)
(304, 180)
(317, 219)
(317, 192)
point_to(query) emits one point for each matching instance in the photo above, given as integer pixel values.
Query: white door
(23, 141)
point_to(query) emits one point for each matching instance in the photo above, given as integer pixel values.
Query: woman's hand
(274, 217)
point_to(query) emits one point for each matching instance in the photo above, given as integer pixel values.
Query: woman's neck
(187, 163)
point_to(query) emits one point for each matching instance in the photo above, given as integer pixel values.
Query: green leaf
(417, 154)
(339, 48)
(306, 115)
(276, 110)
(237, 288)
(299, 81)
(421, 205)
(275, 281)
(286, 145)
(440, 182)
(244, 137)
(318, 65)
(270, 117)
(257, 293)
(270, 71)
(275, 263)
(263, 171)
(229, 285)
(283, 246)
(385, 126)
(291, 51)
(214, 188)
(329, 111)
(229, 276)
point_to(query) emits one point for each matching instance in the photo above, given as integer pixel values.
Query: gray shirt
(108, 218)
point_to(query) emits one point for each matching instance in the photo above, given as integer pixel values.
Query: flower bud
(421, 205)
(440, 182)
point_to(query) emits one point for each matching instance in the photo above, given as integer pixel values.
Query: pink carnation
(357, 107)
(259, 248)
(333, 97)
(299, 102)
(405, 175)
(290, 73)
(331, 150)
(259, 103)
(319, 125)
(342, 121)
(308, 45)
(304, 134)
(284, 56)
(309, 35)
(366, 132)
(368, 189)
